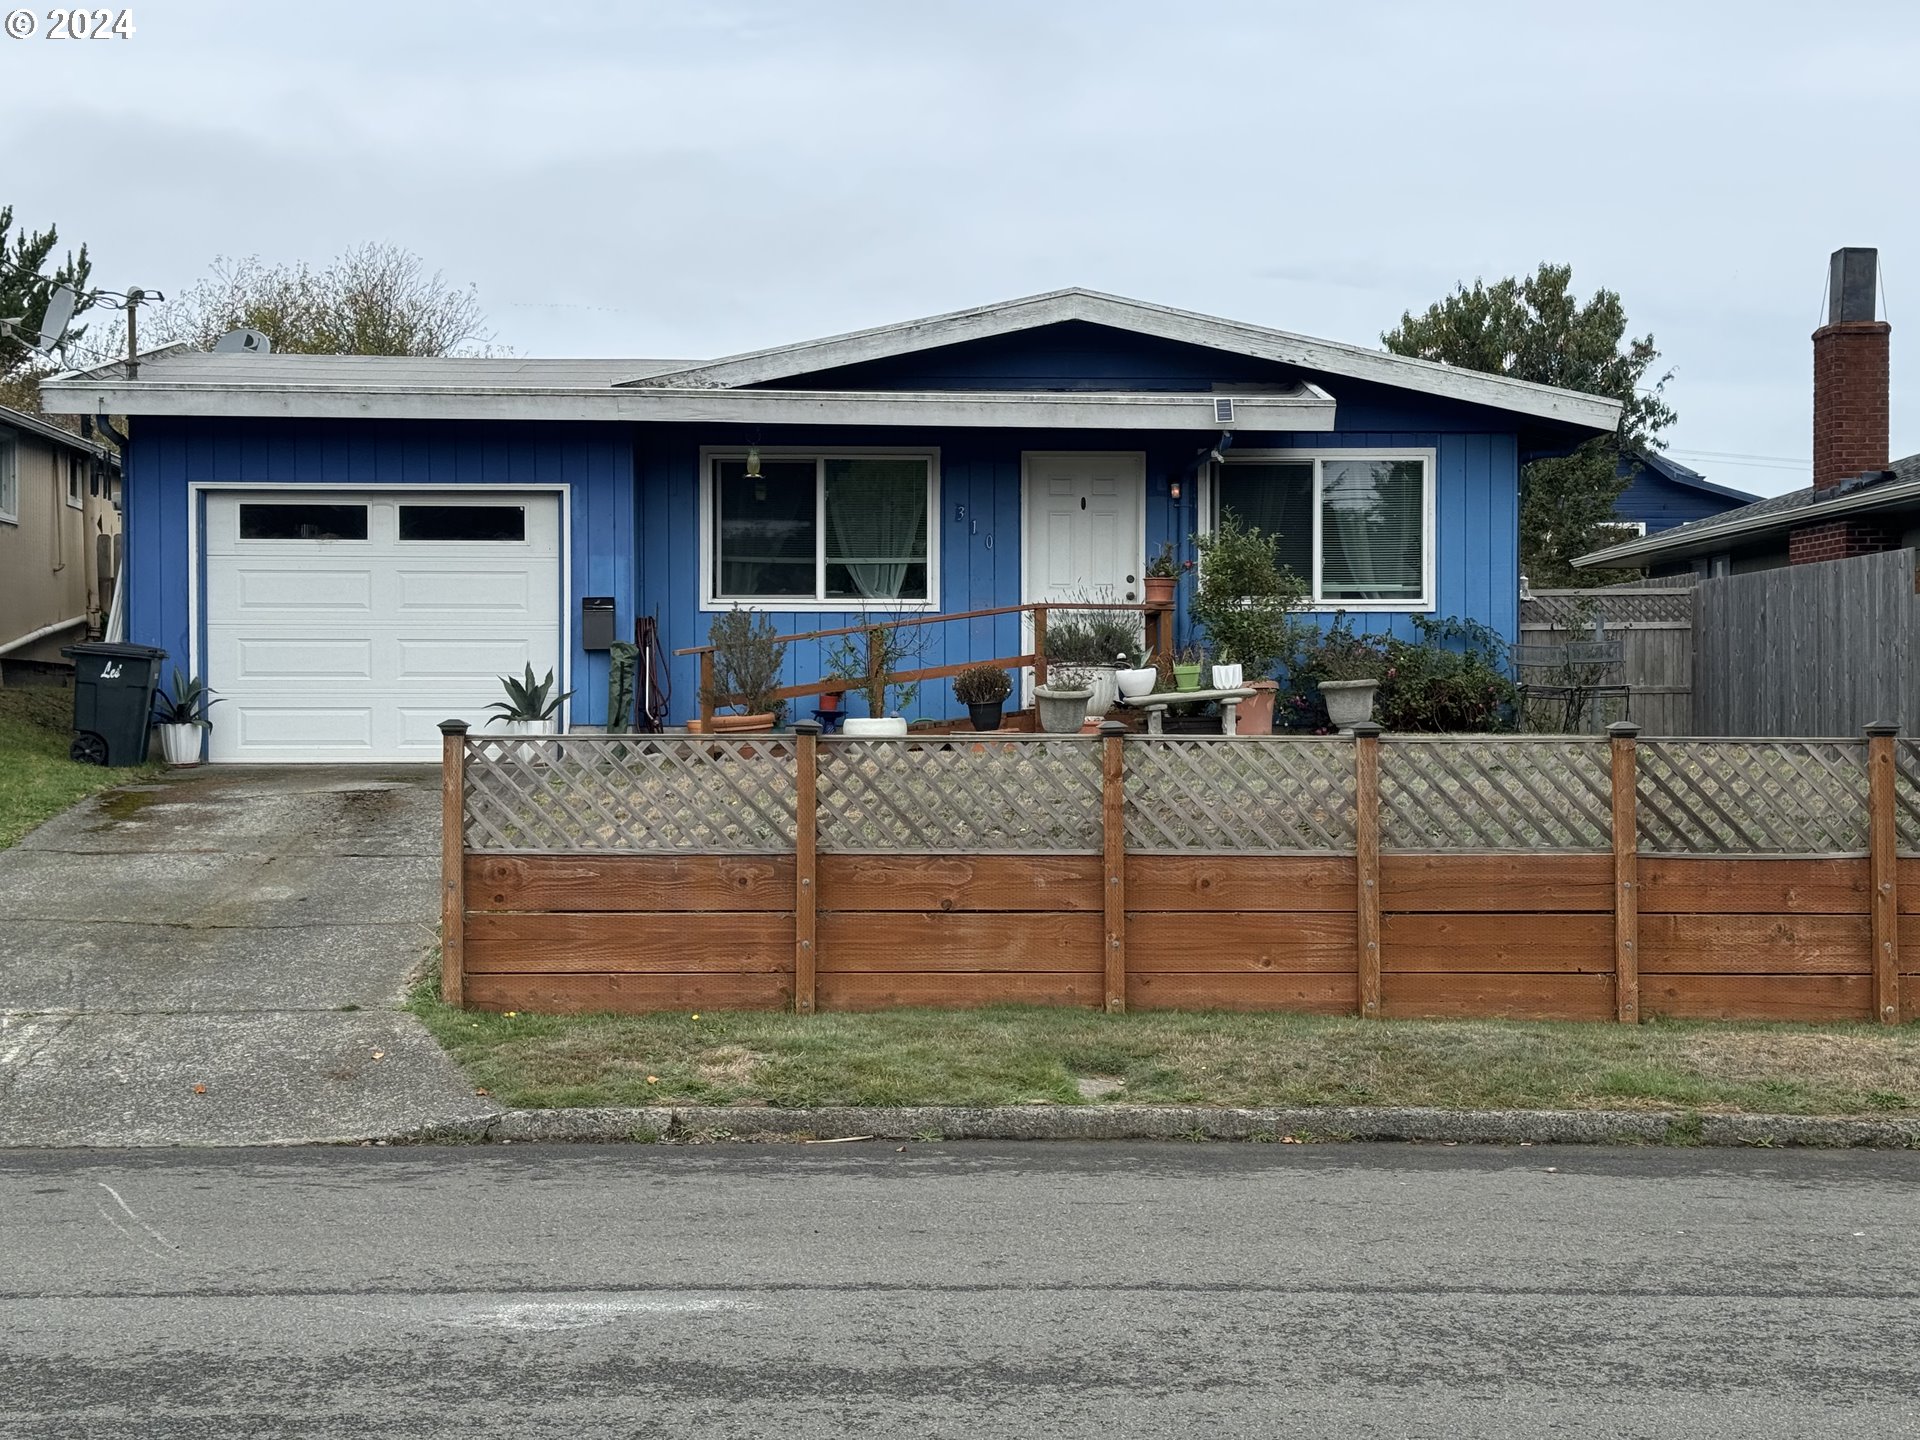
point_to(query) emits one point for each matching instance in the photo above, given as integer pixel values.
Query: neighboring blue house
(350, 548)
(1663, 493)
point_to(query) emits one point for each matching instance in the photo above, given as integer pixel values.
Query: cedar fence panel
(1529, 877)
(1653, 620)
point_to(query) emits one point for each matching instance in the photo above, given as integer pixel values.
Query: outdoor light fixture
(753, 466)
(1173, 487)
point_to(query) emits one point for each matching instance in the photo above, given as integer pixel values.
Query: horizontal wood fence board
(887, 941)
(1702, 886)
(844, 990)
(1225, 943)
(754, 942)
(1459, 944)
(1908, 879)
(1755, 945)
(613, 883)
(959, 882)
(1331, 993)
(1805, 998)
(628, 994)
(1408, 996)
(1215, 883)
(1470, 882)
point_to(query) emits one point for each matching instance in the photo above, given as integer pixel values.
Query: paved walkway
(217, 958)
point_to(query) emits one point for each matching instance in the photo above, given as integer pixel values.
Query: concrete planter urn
(1349, 702)
(1062, 709)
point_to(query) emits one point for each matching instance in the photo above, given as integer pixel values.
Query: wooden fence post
(1626, 870)
(453, 861)
(1883, 843)
(1039, 645)
(1113, 826)
(806, 897)
(706, 689)
(1366, 854)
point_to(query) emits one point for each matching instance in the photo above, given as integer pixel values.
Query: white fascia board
(988, 321)
(1312, 410)
(1666, 544)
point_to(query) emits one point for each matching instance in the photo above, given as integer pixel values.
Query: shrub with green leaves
(1246, 598)
(748, 654)
(1452, 680)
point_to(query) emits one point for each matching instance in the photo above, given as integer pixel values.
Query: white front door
(345, 625)
(1085, 526)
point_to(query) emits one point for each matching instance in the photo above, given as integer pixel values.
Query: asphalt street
(960, 1290)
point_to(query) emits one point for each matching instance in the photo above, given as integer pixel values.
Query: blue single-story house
(1662, 493)
(351, 548)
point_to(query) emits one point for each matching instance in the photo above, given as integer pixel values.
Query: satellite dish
(53, 325)
(250, 342)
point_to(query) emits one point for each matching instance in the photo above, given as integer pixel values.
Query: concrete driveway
(218, 958)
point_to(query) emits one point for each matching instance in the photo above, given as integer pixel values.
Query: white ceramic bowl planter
(1135, 683)
(864, 727)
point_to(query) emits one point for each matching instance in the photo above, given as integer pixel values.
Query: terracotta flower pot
(1160, 590)
(1255, 714)
(736, 724)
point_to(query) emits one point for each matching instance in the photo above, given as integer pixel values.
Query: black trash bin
(113, 687)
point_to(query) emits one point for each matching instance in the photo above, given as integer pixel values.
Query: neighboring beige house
(59, 538)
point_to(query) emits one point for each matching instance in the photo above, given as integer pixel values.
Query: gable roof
(1762, 519)
(11, 419)
(1668, 468)
(1331, 357)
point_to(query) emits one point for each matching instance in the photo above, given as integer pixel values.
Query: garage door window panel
(303, 521)
(488, 524)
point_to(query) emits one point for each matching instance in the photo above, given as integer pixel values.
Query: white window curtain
(877, 524)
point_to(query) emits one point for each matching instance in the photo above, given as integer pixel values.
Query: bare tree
(373, 300)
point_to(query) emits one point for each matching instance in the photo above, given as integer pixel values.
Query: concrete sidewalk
(217, 958)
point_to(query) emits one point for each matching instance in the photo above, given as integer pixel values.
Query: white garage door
(346, 625)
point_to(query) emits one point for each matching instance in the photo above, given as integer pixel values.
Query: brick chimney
(1850, 405)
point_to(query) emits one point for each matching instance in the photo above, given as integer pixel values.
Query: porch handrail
(1156, 639)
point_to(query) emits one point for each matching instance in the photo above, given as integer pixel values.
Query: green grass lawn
(37, 781)
(1021, 1055)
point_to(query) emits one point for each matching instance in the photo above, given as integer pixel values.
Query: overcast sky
(697, 179)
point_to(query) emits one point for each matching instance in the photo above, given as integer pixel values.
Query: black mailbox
(596, 622)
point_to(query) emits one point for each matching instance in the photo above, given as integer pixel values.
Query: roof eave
(1671, 546)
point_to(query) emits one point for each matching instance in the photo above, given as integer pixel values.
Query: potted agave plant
(531, 707)
(180, 712)
(983, 689)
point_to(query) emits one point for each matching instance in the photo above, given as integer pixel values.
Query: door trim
(198, 490)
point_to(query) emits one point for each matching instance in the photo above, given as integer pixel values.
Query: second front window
(819, 530)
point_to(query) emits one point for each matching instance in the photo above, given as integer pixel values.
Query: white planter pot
(1135, 683)
(869, 728)
(1062, 711)
(1229, 677)
(528, 727)
(1104, 680)
(180, 743)
(1349, 702)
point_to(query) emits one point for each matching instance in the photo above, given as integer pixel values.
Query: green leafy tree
(1535, 328)
(372, 300)
(25, 286)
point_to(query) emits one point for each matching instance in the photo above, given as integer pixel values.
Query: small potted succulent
(1163, 574)
(180, 712)
(983, 689)
(531, 707)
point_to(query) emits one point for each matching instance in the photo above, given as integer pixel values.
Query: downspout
(42, 633)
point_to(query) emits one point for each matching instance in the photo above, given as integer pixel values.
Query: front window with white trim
(1357, 526)
(9, 477)
(791, 530)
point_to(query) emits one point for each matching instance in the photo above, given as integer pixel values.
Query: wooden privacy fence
(1653, 623)
(1554, 878)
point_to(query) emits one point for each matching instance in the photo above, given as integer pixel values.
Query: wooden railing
(1159, 636)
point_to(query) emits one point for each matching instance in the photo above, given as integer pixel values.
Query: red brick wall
(1850, 382)
(1838, 540)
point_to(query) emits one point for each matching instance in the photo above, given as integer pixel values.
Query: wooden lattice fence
(1562, 877)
